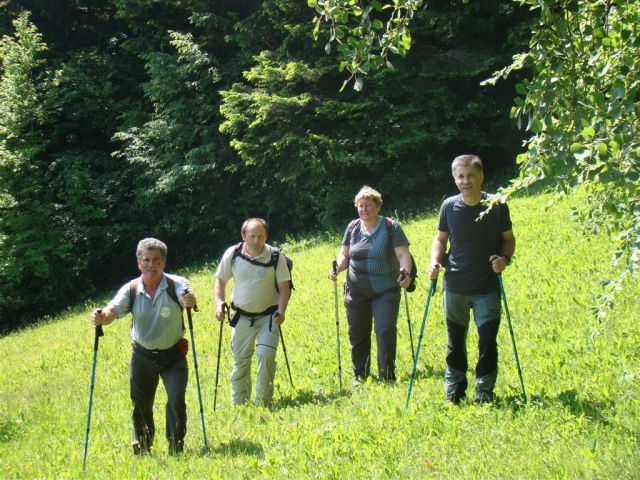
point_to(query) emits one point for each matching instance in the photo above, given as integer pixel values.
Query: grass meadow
(582, 377)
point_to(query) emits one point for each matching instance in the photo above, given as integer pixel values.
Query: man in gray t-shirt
(479, 249)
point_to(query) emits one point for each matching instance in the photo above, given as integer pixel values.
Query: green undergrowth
(581, 374)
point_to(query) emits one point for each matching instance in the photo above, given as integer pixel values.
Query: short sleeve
(121, 302)
(443, 226)
(282, 271)
(224, 271)
(505, 218)
(398, 237)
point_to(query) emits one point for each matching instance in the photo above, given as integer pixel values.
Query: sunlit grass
(581, 374)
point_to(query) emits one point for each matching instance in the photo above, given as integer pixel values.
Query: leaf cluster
(581, 110)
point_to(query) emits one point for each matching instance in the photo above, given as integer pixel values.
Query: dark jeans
(360, 309)
(145, 370)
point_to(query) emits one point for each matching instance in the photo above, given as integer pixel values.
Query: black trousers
(145, 370)
(361, 309)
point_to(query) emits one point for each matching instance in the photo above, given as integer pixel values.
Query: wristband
(508, 259)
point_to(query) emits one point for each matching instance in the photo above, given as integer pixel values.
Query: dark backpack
(273, 262)
(389, 224)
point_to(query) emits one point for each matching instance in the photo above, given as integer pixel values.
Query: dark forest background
(122, 119)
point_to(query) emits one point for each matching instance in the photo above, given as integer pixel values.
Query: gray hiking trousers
(249, 336)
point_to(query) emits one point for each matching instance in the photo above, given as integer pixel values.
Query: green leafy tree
(581, 108)
(175, 153)
(309, 148)
(32, 237)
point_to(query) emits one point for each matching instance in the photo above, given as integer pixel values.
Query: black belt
(138, 346)
(252, 316)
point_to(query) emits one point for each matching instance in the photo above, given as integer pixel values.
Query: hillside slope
(581, 374)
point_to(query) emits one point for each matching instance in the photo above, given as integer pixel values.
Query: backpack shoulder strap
(352, 226)
(389, 223)
(236, 252)
(275, 256)
(133, 290)
(171, 290)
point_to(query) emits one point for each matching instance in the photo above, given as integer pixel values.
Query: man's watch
(508, 259)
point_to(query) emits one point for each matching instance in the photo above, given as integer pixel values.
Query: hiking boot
(482, 398)
(264, 402)
(138, 449)
(358, 381)
(455, 398)
(176, 449)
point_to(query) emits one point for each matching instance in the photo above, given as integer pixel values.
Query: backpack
(389, 224)
(273, 262)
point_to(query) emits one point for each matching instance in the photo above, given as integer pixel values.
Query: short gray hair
(147, 244)
(368, 192)
(469, 160)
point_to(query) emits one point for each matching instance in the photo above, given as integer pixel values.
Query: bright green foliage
(32, 233)
(582, 108)
(55, 179)
(582, 420)
(175, 152)
(366, 33)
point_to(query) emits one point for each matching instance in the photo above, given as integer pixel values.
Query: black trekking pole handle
(334, 267)
(99, 332)
(189, 319)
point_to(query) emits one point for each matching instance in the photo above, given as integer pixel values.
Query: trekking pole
(432, 289)
(513, 338)
(284, 349)
(225, 308)
(406, 306)
(195, 365)
(403, 275)
(99, 333)
(335, 297)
